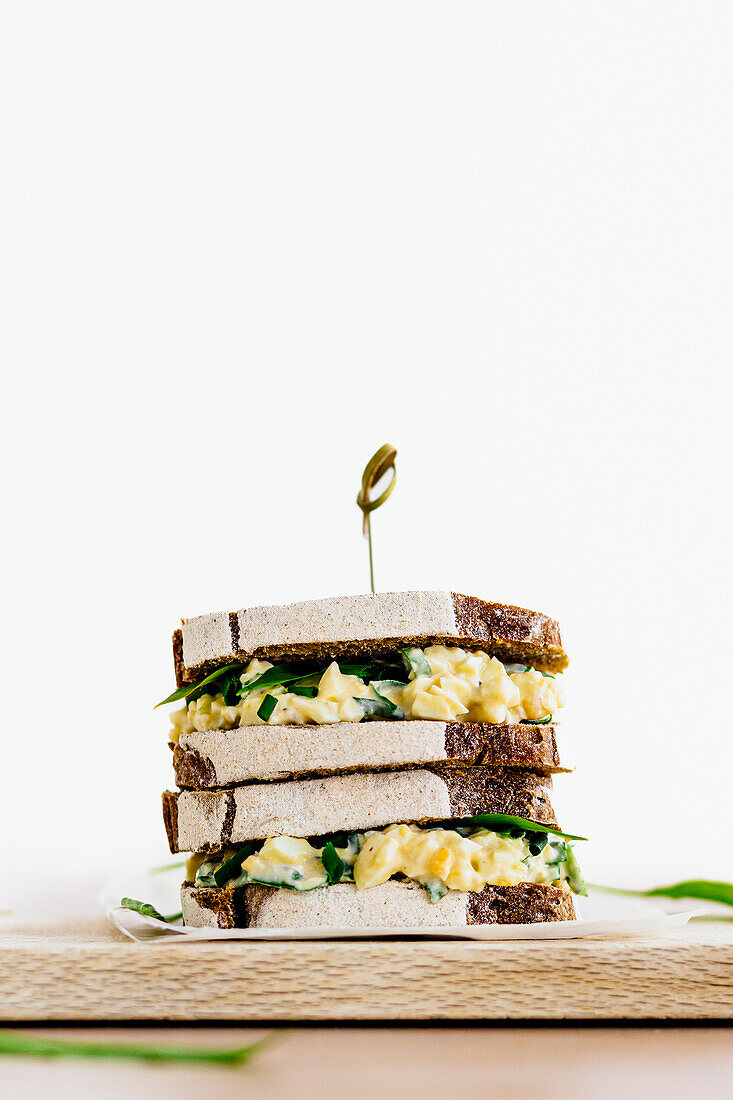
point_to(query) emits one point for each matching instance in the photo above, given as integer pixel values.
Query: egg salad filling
(439, 682)
(455, 857)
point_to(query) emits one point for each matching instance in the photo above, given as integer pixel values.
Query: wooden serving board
(89, 971)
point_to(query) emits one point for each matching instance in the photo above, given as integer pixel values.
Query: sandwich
(382, 760)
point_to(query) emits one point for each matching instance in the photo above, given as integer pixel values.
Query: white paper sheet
(599, 915)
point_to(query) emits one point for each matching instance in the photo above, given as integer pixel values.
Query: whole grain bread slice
(210, 820)
(373, 624)
(394, 904)
(219, 758)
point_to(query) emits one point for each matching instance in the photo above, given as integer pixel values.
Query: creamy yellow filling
(464, 686)
(432, 857)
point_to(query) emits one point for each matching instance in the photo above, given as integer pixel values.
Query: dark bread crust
(510, 633)
(484, 790)
(192, 770)
(532, 748)
(525, 903)
(510, 746)
(471, 791)
(170, 818)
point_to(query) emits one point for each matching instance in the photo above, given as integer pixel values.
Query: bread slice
(394, 904)
(207, 821)
(218, 758)
(371, 624)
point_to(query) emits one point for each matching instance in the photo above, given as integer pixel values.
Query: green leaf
(276, 676)
(378, 687)
(332, 864)
(536, 721)
(378, 708)
(374, 670)
(308, 691)
(266, 708)
(147, 910)
(537, 843)
(705, 889)
(168, 867)
(232, 867)
(576, 882)
(436, 889)
(15, 1042)
(696, 888)
(503, 822)
(189, 689)
(311, 680)
(229, 685)
(416, 661)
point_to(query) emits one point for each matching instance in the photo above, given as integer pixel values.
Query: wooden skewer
(377, 466)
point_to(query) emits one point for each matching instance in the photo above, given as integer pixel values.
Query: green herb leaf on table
(266, 708)
(332, 864)
(188, 689)
(145, 909)
(15, 1042)
(704, 889)
(167, 867)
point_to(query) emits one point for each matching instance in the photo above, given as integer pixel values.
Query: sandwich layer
(218, 758)
(372, 624)
(439, 682)
(394, 904)
(466, 855)
(210, 820)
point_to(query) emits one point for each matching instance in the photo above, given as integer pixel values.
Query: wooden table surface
(87, 971)
(465, 1062)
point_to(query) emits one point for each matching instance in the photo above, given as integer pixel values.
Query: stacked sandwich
(371, 761)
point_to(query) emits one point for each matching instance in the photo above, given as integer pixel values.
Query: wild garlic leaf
(378, 708)
(498, 823)
(416, 661)
(266, 708)
(379, 687)
(145, 909)
(276, 676)
(232, 867)
(14, 1042)
(333, 864)
(436, 889)
(705, 889)
(576, 882)
(188, 689)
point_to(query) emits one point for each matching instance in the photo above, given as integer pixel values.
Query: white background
(245, 244)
